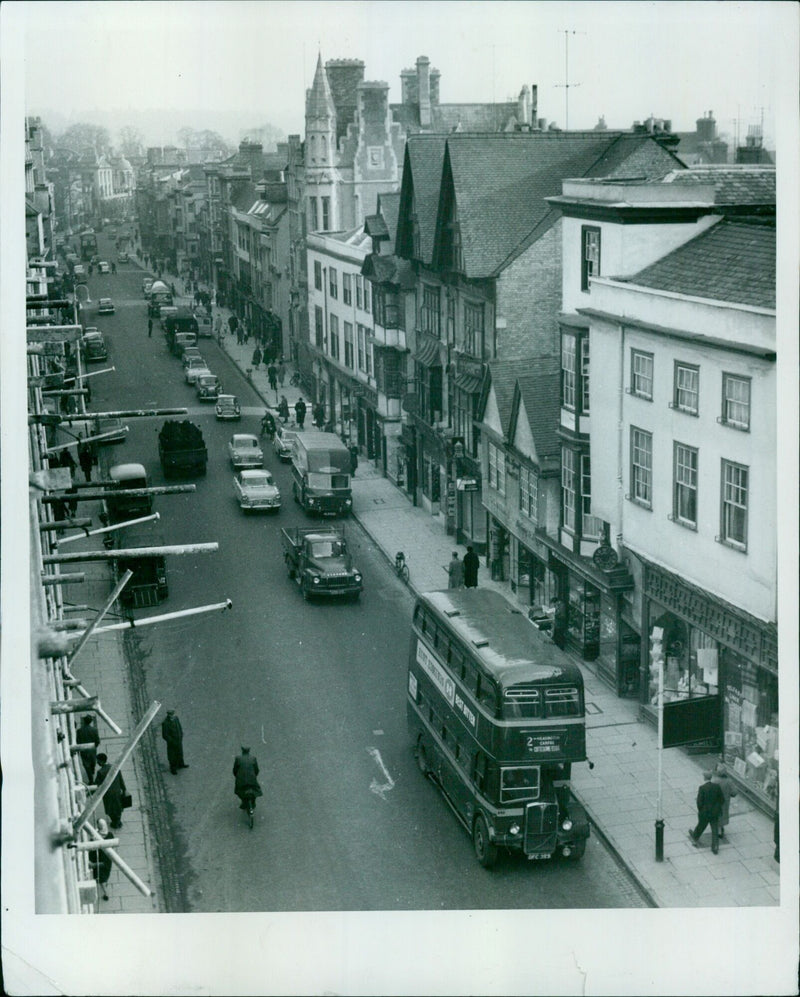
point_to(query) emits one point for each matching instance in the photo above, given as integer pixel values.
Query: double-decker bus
(496, 717)
(88, 244)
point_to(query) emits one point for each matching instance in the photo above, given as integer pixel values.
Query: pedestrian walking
(272, 374)
(455, 572)
(710, 801)
(471, 564)
(85, 457)
(112, 801)
(283, 409)
(318, 415)
(87, 734)
(172, 732)
(353, 461)
(300, 412)
(560, 620)
(256, 358)
(281, 372)
(725, 783)
(113, 267)
(100, 860)
(150, 326)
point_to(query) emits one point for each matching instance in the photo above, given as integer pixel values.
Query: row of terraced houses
(561, 344)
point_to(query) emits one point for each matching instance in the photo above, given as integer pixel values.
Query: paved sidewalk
(620, 793)
(102, 670)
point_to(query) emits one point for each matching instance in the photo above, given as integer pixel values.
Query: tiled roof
(504, 376)
(243, 198)
(389, 207)
(732, 184)
(500, 182)
(425, 155)
(539, 388)
(732, 261)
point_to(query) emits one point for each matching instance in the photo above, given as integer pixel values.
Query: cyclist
(245, 770)
(268, 425)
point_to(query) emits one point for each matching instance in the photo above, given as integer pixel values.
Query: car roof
(226, 398)
(95, 334)
(103, 300)
(207, 377)
(241, 437)
(124, 472)
(255, 472)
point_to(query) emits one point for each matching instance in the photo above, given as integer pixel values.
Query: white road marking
(263, 739)
(376, 787)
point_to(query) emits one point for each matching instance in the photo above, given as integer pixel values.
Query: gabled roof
(422, 174)
(538, 387)
(242, 198)
(389, 270)
(733, 185)
(732, 261)
(499, 182)
(389, 208)
(503, 374)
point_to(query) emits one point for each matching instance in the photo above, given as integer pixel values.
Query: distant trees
(204, 139)
(131, 141)
(82, 138)
(267, 135)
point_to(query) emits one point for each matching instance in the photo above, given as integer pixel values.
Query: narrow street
(316, 690)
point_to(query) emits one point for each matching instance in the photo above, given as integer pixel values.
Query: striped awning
(468, 383)
(428, 353)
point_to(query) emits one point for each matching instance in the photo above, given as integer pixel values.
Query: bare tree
(83, 137)
(131, 140)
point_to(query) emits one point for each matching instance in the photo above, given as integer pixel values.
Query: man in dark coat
(245, 770)
(112, 801)
(100, 860)
(560, 621)
(87, 734)
(300, 412)
(172, 732)
(85, 457)
(471, 564)
(150, 327)
(710, 801)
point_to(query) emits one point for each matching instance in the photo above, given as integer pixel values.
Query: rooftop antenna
(566, 32)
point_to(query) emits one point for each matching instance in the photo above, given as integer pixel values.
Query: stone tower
(320, 154)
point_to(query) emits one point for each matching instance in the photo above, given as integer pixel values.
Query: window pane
(568, 487)
(642, 375)
(685, 509)
(736, 401)
(734, 502)
(641, 465)
(686, 388)
(568, 372)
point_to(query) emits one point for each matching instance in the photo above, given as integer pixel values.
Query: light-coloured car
(256, 489)
(147, 283)
(207, 387)
(103, 267)
(227, 407)
(245, 451)
(195, 368)
(284, 441)
(94, 347)
(188, 353)
(105, 307)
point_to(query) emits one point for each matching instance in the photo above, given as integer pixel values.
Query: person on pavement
(272, 374)
(87, 734)
(256, 358)
(172, 732)
(100, 860)
(560, 619)
(318, 415)
(455, 572)
(245, 771)
(85, 457)
(150, 326)
(724, 782)
(471, 564)
(281, 372)
(112, 801)
(283, 409)
(300, 412)
(710, 801)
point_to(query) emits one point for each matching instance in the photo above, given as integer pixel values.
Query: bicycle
(295, 380)
(400, 566)
(249, 804)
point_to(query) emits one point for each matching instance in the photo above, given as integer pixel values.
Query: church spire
(319, 99)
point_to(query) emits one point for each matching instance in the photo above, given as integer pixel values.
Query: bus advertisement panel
(496, 716)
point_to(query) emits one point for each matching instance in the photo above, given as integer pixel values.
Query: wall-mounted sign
(605, 557)
(467, 484)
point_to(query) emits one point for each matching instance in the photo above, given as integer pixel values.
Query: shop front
(720, 656)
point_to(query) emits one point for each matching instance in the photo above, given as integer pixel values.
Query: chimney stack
(534, 105)
(424, 89)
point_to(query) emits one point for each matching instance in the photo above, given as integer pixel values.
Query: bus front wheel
(485, 851)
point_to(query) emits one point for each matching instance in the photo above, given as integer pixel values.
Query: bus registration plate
(540, 855)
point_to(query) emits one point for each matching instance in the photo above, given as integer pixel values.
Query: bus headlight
(514, 829)
(567, 825)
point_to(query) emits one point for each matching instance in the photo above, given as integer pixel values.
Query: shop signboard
(689, 720)
(451, 501)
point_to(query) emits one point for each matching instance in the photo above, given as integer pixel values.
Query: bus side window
(470, 676)
(479, 773)
(487, 693)
(456, 660)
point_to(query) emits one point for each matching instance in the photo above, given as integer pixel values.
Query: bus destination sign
(548, 743)
(437, 674)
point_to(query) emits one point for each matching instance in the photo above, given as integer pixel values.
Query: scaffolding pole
(123, 552)
(107, 529)
(136, 624)
(93, 625)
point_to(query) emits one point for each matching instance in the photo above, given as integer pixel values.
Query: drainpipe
(620, 404)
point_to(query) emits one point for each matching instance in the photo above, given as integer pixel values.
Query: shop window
(750, 723)
(641, 473)
(684, 496)
(686, 396)
(691, 662)
(590, 255)
(568, 488)
(333, 279)
(347, 288)
(568, 399)
(642, 374)
(736, 401)
(735, 483)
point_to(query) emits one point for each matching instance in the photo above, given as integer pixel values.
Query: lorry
(181, 320)
(158, 295)
(319, 561)
(181, 448)
(321, 474)
(148, 586)
(119, 509)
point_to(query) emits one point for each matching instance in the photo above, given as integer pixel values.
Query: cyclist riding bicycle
(268, 425)
(245, 770)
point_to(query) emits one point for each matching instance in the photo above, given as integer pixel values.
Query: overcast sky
(253, 60)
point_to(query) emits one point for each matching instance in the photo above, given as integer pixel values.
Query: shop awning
(468, 383)
(428, 353)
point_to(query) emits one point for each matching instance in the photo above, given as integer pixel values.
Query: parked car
(147, 283)
(105, 307)
(194, 368)
(94, 347)
(284, 441)
(244, 451)
(103, 267)
(203, 324)
(227, 407)
(256, 489)
(79, 273)
(188, 353)
(207, 387)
